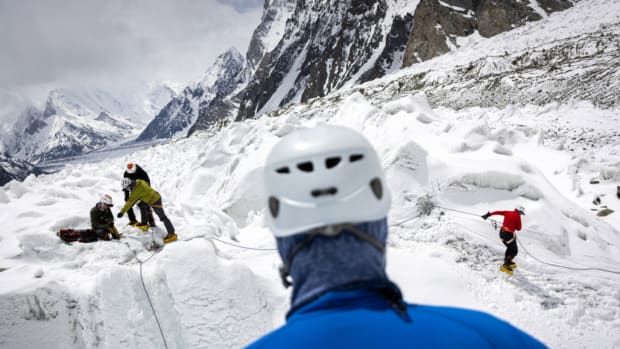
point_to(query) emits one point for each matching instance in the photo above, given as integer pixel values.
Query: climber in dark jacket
(327, 205)
(102, 220)
(133, 172)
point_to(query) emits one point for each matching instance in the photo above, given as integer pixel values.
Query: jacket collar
(375, 294)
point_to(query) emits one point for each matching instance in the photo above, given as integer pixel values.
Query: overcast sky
(55, 43)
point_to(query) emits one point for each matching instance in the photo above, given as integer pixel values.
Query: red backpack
(81, 235)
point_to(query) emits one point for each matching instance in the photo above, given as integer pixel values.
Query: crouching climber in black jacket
(102, 220)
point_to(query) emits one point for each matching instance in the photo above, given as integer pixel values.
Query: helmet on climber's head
(521, 210)
(106, 199)
(322, 176)
(128, 183)
(131, 167)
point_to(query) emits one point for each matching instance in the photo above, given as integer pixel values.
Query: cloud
(61, 42)
(243, 5)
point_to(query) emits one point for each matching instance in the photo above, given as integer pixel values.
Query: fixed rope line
(459, 211)
(141, 262)
(241, 246)
(530, 254)
(563, 266)
(135, 255)
(403, 221)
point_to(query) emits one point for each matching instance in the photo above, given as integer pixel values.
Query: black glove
(119, 215)
(486, 215)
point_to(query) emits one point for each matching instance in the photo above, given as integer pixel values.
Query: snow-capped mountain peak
(75, 121)
(185, 110)
(219, 72)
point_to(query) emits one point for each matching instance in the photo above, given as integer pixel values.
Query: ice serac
(191, 106)
(438, 23)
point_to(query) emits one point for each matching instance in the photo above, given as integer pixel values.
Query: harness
(514, 236)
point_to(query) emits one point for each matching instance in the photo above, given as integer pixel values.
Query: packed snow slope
(212, 295)
(445, 168)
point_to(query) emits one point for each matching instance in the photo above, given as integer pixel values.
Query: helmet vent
(332, 162)
(356, 157)
(305, 166)
(283, 170)
(377, 188)
(322, 192)
(274, 207)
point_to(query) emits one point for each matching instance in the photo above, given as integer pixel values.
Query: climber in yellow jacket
(141, 191)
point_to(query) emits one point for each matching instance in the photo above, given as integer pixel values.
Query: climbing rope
(529, 253)
(135, 255)
(148, 297)
(564, 266)
(397, 224)
(241, 246)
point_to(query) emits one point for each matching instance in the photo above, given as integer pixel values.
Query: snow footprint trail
(487, 263)
(586, 301)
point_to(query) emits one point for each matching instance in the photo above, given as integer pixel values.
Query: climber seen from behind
(327, 205)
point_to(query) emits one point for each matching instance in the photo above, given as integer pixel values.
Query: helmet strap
(286, 267)
(330, 230)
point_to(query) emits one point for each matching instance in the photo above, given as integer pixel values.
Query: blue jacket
(366, 319)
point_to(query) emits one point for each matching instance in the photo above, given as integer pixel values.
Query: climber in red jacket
(507, 233)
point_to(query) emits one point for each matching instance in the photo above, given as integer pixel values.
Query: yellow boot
(142, 226)
(506, 269)
(170, 238)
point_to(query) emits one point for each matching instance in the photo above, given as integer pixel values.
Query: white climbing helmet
(321, 176)
(131, 168)
(521, 210)
(106, 199)
(126, 183)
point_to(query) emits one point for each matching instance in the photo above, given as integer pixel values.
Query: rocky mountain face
(326, 44)
(548, 65)
(224, 107)
(300, 50)
(11, 169)
(439, 23)
(310, 48)
(211, 93)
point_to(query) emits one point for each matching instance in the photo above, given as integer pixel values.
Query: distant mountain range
(301, 50)
(76, 121)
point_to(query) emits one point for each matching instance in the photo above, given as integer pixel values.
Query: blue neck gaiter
(331, 262)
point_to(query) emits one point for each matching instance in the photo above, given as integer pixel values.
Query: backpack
(81, 235)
